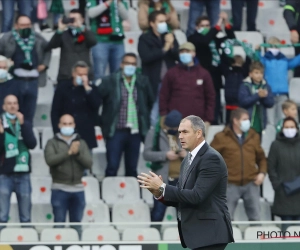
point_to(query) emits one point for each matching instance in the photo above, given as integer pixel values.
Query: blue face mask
(79, 81)
(185, 58)
(67, 131)
(10, 116)
(3, 74)
(129, 70)
(245, 125)
(162, 28)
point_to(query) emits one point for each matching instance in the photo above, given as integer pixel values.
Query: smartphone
(67, 20)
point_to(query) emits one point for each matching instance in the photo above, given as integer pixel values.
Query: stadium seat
(99, 137)
(100, 234)
(294, 231)
(96, 213)
(131, 41)
(36, 132)
(268, 136)
(294, 90)
(47, 134)
(54, 64)
(131, 212)
(41, 189)
(133, 19)
(252, 37)
(59, 235)
(267, 4)
(91, 189)
(18, 235)
(212, 131)
(147, 197)
(268, 191)
(251, 232)
(99, 162)
(170, 216)
(141, 234)
(39, 166)
(70, 4)
(118, 189)
(237, 234)
(180, 36)
(42, 115)
(171, 234)
(41, 213)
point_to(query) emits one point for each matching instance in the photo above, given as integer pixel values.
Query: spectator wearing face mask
(158, 50)
(75, 42)
(67, 155)
(240, 147)
(188, 88)
(125, 120)
(146, 7)
(80, 99)
(283, 166)
(163, 150)
(276, 74)
(6, 85)
(289, 109)
(27, 50)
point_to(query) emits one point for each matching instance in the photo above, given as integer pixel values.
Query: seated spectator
(158, 51)
(146, 7)
(289, 109)
(256, 96)
(75, 42)
(30, 62)
(188, 88)
(208, 46)
(16, 138)
(240, 147)
(283, 166)
(80, 99)
(276, 74)
(125, 119)
(68, 156)
(234, 72)
(109, 32)
(196, 9)
(163, 150)
(237, 14)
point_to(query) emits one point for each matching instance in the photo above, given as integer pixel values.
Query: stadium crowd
(145, 105)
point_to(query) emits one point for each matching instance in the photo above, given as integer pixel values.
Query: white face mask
(274, 51)
(155, 1)
(245, 125)
(289, 132)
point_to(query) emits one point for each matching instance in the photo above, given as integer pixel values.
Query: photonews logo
(268, 235)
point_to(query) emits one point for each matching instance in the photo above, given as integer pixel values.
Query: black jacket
(203, 52)
(291, 14)
(110, 92)
(7, 164)
(71, 51)
(150, 49)
(205, 219)
(83, 106)
(283, 165)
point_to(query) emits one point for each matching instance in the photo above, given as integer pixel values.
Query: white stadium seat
(41, 189)
(268, 136)
(170, 216)
(100, 234)
(237, 234)
(96, 213)
(295, 90)
(59, 235)
(41, 213)
(18, 235)
(47, 134)
(39, 166)
(212, 131)
(91, 189)
(42, 115)
(147, 197)
(141, 234)
(171, 234)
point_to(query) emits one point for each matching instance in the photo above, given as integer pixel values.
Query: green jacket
(110, 92)
(65, 168)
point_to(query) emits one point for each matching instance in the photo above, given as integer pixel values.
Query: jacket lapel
(195, 161)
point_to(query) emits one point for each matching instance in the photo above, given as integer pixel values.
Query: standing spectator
(240, 147)
(39, 24)
(158, 51)
(68, 156)
(276, 74)
(75, 42)
(80, 99)
(190, 82)
(196, 10)
(237, 14)
(289, 109)
(291, 14)
(283, 166)
(256, 96)
(16, 138)
(106, 22)
(5, 80)
(8, 10)
(125, 119)
(146, 7)
(163, 150)
(27, 50)
(207, 52)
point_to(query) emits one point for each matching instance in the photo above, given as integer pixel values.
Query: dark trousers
(288, 218)
(82, 5)
(237, 14)
(63, 202)
(297, 70)
(213, 247)
(123, 142)
(218, 112)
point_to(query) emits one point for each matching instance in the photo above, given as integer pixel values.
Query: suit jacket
(205, 219)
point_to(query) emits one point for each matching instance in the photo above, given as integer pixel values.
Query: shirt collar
(196, 150)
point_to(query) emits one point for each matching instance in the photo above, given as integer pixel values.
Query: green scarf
(132, 118)
(14, 145)
(25, 47)
(57, 7)
(228, 44)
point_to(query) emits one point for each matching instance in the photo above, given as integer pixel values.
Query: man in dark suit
(200, 195)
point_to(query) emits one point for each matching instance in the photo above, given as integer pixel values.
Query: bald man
(68, 156)
(16, 138)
